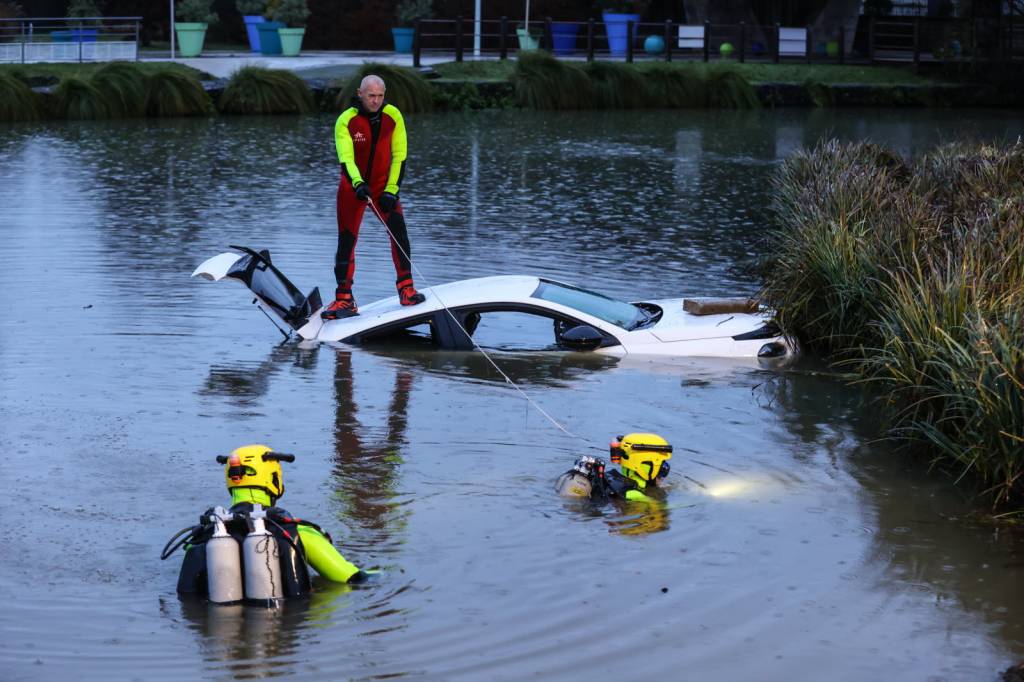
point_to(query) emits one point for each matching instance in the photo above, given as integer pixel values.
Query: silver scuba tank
(223, 562)
(262, 561)
(573, 484)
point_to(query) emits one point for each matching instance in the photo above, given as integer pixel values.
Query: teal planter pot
(403, 39)
(270, 41)
(616, 25)
(252, 21)
(190, 38)
(291, 41)
(563, 35)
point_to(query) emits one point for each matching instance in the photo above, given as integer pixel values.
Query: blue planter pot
(252, 23)
(615, 25)
(270, 41)
(75, 35)
(403, 39)
(563, 35)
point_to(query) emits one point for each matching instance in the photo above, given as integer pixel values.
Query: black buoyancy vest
(285, 529)
(618, 485)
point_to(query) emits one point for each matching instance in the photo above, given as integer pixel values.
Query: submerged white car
(582, 320)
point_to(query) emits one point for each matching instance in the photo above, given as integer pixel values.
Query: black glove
(362, 191)
(387, 201)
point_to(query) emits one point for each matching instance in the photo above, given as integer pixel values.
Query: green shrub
(255, 90)
(170, 93)
(405, 88)
(17, 101)
(123, 86)
(195, 11)
(78, 99)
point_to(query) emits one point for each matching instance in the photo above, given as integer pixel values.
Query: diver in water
(255, 551)
(643, 460)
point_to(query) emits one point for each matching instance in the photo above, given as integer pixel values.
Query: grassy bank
(827, 74)
(911, 274)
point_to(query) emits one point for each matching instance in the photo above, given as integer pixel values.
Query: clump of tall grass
(169, 93)
(615, 86)
(675, 87)
(17, 101)
(543, 82)
(78, 99)
(255, 90)
(405, 88)
(726, 88)
(912, 275)
(123, 88)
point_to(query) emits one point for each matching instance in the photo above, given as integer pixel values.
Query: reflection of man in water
(367, 467)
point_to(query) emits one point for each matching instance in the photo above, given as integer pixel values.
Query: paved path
(310, 64)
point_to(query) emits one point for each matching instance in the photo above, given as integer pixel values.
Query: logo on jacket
(358, 137)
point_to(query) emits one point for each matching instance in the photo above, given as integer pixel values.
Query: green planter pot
(291, 41)
(190, 38)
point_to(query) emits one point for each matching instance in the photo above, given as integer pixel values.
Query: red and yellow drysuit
(372, 149)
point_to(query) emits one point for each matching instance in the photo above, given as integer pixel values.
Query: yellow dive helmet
(255, 466)
(642, 456)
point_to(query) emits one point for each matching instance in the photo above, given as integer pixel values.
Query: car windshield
(619, 313)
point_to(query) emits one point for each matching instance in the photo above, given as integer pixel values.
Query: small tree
(196, 12)
(250, 8)
(407, 12)
(80, 9)
(291, 13)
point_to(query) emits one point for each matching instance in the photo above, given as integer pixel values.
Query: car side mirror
(581, 338)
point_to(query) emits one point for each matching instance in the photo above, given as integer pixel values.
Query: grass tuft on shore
(123, 87)
(406, 88)
(255, 90)
(912, 275)
(76, 98)
(170, 93)
(17, 101)
(543, 82)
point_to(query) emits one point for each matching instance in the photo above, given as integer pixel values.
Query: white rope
(469, 336)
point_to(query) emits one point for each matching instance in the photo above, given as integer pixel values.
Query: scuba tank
(223, 561)
(262, 561)
(585, 479)
(573, 484)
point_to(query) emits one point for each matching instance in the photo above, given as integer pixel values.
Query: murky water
(793, 545)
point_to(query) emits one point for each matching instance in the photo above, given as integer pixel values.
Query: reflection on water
(368, 462)
(790, 541)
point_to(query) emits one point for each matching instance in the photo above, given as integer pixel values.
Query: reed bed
(911, 274)
(255, 90)
(173, 94)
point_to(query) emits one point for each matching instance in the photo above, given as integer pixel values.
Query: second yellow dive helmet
(642, 456)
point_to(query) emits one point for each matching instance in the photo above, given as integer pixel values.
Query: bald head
(371, 92)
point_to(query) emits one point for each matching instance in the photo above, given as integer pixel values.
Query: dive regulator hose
(191, 530)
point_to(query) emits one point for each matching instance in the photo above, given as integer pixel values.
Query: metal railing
(663, 41)
(907, 39)
(63, 39)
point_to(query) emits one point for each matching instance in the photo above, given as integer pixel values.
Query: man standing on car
(371, 142)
